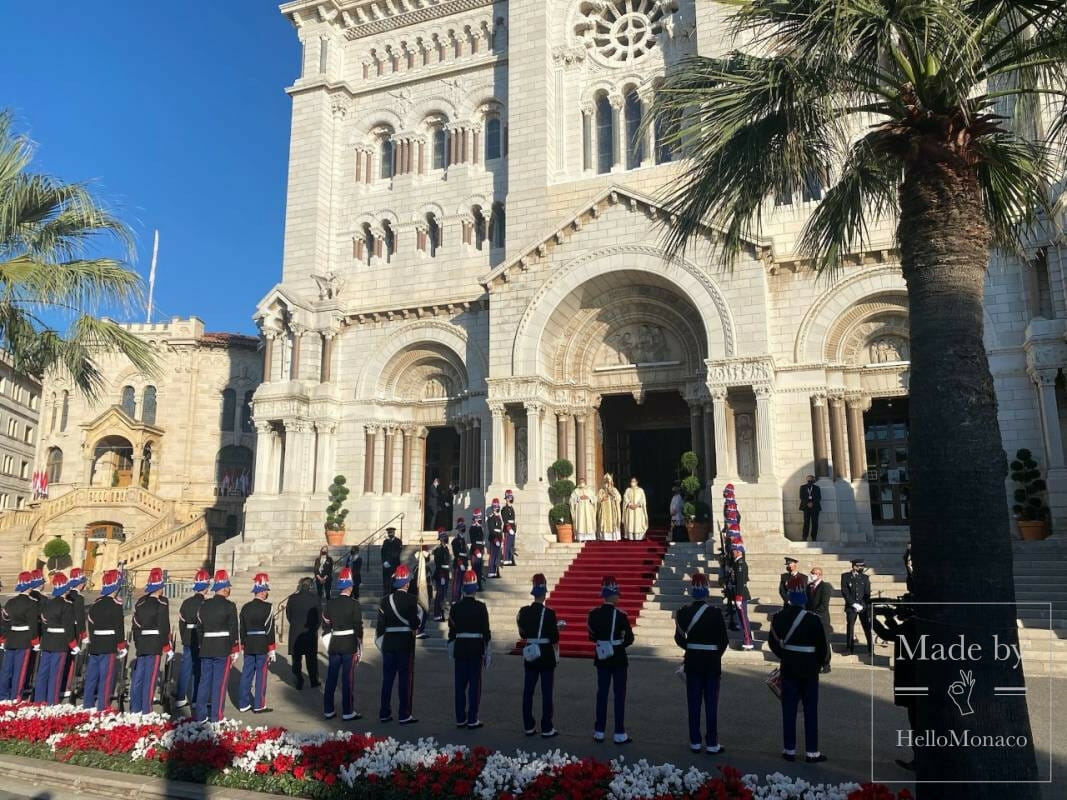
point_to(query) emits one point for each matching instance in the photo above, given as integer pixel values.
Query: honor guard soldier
(494, 523)
(151, 637)
(189, 672)
(256, 625)
(19, 637)
(442, 572)
(783, 580)
(58, 642)
(610, 629)
(460, 560)
(391, 548)
(35, 586)
(74, 596)
(106, 627)
(507, 513)
(399, 617)
(701, 632)
(342, 632)
(539, 627)
(468, 644)
(742, 596)
(476, 533)
(856, 589)
(219, 648)
(478, 563)
(798, 640)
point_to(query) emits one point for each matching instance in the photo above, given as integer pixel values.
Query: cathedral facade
(475, 284)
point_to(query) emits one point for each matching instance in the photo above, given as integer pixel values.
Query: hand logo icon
(959, 692)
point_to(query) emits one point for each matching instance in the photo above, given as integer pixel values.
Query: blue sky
(177, 113)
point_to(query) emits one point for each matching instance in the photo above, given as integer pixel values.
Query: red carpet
(633, 564)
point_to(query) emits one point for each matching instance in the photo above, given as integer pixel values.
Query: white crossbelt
(799, 648)
(538, 641)
(469, 636)
(615, 642)
(103, 633)
(396, 629)
(152, 632)
(349, 632)
(215, 634)
(19, 628)
(55, 630)
(191, 626)
(694, 646)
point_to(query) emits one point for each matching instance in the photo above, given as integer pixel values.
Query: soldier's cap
(260, 583)
(77, 577)
(390, 530)
(60, 584)
(509, 495)
(609, 587)
(202, 580)
(25, 582)
(698, 586)
(38, 579)
(739, 550)
(470, 582)
(155, 580)
(344, 579)
(222, 580)
(496, 501)
(442, 534)
(789, 560)
(401, 577)
(112, 582)
(858, 562)
(797, 591)
(540, 585)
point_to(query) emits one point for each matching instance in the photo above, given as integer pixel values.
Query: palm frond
(1014, 174)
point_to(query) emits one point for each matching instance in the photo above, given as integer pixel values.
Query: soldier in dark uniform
(189, 672)
(220, 647)
(476, 535)
(256, 627)
(701, 632)
(468, 644)
(391, 548)
(539, 628)
(36, 584)
(783, 581)
(742, 596)
(477, 563)
(106, 627)
(20, 636)
(856, 589)
(610, 629)
(494, 523)
(58, 642)
(460, 561)
(819, 594)
(399, 617)
(76, 664)
(303, 615)
(798, 640)
(511, 528)
(342, 631)
(151, 637)
(442, 572)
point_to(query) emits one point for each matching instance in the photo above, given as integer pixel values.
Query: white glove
(562, 623)
(75, 650)
(2, 646)
(170, 655)
(387, 565)
(234, 657)
(122, 653)
(37, 648)
(858, 606)
(272, 656)
(488, 658)
(359, 652)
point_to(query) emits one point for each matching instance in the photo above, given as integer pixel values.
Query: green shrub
(1029, 497)
(335, 511)
(691, 486)
(560, 490)
(57, 548)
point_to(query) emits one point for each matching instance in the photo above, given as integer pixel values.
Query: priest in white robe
(583, 513)
(608, 510)
(634, 511)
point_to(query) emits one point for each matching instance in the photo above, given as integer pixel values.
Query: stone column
(405, 462)
(618, 125)
(765, 430)
(369, 432)
(135, 478)
(837, 436)
(261, 479)
(561, 435)
(326, 357)
(696, 439)
(477, 447)
(579, 447)
(326, 456)
(418, 467)
(722, 444)
(587, 138)
(268, 356)
(1045, 379)
(387, 459)
(818, 435)
(497, 410)
(296, 475)
(648, 157)
(857, 445)
(534, 443)
(710, 463)
(294, 362)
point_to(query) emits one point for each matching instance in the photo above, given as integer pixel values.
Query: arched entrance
(112, 462)
(96, 534)
(233, 472)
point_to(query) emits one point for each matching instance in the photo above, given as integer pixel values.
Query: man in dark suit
(433, 504)
(856, 589)
(302, 614)
(811, 505)
(791, 569)
(819, 594)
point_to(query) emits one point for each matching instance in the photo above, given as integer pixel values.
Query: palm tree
(942, 116)
(46, 229)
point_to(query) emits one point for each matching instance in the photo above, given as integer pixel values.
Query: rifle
(77, 685)
(122, 683)
(167, 681)
(31, 675)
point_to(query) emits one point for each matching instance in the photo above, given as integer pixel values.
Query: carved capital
(858, 401)
(370, 429)
(718, 394)
(818, 399)
(496, 409)
(616, 101)
(1043, 376)
(262, 428)
(323, 426)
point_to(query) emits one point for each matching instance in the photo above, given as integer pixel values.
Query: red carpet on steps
(633, 564)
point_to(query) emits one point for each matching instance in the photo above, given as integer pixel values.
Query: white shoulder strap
(614, 617)
(541, 624)
(793, 627)
(392, 605)
(696, 616)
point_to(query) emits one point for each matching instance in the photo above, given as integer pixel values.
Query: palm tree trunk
(961, 545)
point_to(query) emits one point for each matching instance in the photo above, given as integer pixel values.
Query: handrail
(163, 545)
(381, 528)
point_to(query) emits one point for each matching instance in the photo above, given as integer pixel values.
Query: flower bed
(345, 764)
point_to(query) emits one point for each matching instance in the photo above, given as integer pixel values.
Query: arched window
(493, 149)
(246, 413)
(54, 465)
(233, 471)
(666, 127)
(146, 465)
(64, 411)
(387, 162)
(129, 400)
(440, 147)
(635, 151)
(229, 408)
(368, 241)
(479, 226)
(497, 226)
(433, 234)
(389, 242)
(605, 135)
(148, 405)
(55, 412)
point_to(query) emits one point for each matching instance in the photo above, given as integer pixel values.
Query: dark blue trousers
(189, 672)
(494, 558)
(605, 677)
(547, 678)
(254, 669)
(49, 682)
(342, 666)
(399, 667)
(100, 674)
(702, 689)
(794, 692)
(468, 689)
(143, 683)
(14, 673)
(211, 694)
(440, 591)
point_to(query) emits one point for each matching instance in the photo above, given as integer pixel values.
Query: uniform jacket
(856, 588)
(741, 579)
(819, 600)
(599, 624)
(106, 626)
(528, 620)
(303, 615)
(257, 627)
(20, 623)
(190, 607)
(459, 548)
(343, 619)
(783, 583)
(151, 625)
(355, 564)
(709, 631)
(75, 598)
(468, 628)
(495, 525)
(507, 513)
(218, 628)
(57, 625)
(442, 562)
(408, 617)
(391, 551)
(433, 498)
(324, 567)
(809, 634)
(813, 494)
(477, 535)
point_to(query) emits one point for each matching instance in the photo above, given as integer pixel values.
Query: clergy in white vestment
(608, 510)
(634, 511)
(583, 512)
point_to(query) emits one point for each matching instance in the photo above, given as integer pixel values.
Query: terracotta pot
(1033, 530)
(335, 538)
(698, 531)
(565, 533)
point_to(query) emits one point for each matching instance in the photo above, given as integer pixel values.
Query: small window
(666, 128)
(148, 406)
(9, 465)
(12, 427)
(497, 227)
(20, 501)
(29, 434)
(389, 242)
(24, 470)
(492, 139)
(65, 412)
(635, 151)
(433, 234)
(5, 501)
(605, 135)
(128, 400)
(35, 400)
(54, 416)
(368, 241)
(479, 227)
(229, 408)
(5, 386)
(812, 188)
(54, 465)
(387, 158)
(440, 148)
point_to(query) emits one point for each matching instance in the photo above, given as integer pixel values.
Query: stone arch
(428, 208)
(472, 201)
(378, 118)
(433, 105)
(679, 274)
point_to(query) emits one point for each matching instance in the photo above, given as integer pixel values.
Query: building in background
(20, 411)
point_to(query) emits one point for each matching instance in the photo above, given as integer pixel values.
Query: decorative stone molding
(741, 372)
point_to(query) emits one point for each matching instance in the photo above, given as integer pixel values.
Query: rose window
(622, 31)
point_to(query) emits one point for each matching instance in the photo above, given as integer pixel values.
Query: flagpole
(152, 275)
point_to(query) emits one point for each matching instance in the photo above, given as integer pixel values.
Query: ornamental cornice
(446, 308)
(741, 371)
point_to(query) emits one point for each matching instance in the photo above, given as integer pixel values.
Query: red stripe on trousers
(150, 687)
(217, 710)
(107, 682)
(22, 674)
(59, 683)
(261, 689)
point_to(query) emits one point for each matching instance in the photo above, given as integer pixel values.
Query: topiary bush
(1030, 496)
(335, 511)
(694, 510)
(56, 548)
(560, 490)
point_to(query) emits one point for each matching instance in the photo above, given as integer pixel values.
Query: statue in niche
(436, 388)
(745, 435)
(638, 344)
(521, 471)
(889, 349)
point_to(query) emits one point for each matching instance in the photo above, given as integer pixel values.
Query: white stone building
(474, 283)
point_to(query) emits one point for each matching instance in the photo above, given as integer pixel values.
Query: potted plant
(336, 512)
(57, 555)
(1031, 513)
(697, 513)
(559, 492)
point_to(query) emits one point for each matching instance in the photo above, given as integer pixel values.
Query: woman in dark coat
(323, 574)
(302, 614)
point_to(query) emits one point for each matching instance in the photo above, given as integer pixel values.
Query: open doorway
(442, 463)
(886, 433)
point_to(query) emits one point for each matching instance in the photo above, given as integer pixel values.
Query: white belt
(615, 642)
(103, 633)
(538, 641)
(701, 647)
(215, 634)
(396, 629)
(469, 636)
(349, 632)
(799, 648)
(19, 628)
(55, 630)
(191, 627)
(148, 633)
(255, 633)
